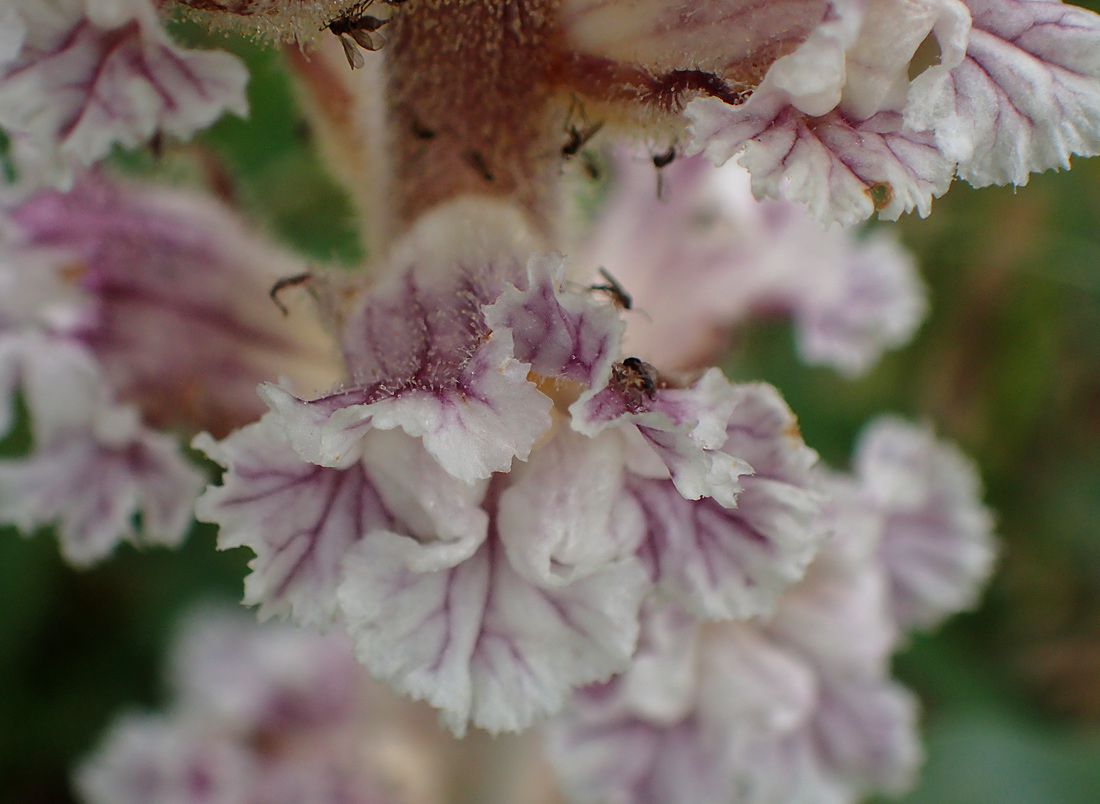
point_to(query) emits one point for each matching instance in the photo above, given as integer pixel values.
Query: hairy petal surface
(422, 358)
(480, 642)
(1025, 97)
(561, 335)
(91, 74)
(720, 36)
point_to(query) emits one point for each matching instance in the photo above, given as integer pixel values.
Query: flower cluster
(799, 705)
(494, 455)
(258, 715)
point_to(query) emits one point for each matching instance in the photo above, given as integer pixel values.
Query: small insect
(421, 131)
(354, 27)
(661, 161)
(284, 283)
(614, 290)
(664, 159)
(637, 380)
(477, 162)
(591, 165)
(578, 138)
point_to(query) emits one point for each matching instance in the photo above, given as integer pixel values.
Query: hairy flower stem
(471, 108)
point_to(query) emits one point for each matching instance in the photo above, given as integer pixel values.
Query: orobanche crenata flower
(493, 457)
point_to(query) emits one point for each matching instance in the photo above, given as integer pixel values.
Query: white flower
(80, 76)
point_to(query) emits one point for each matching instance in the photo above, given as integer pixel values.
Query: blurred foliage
(1008, 365)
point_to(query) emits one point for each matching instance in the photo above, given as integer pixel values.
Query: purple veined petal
(1025, 97)
(566, 513)
(766, 723)
(747, 681)
(866, 731)
(738, 259)
(148, 759)
(93, 74)
(937, 546)
(734, 563)
(860, 738)
(562, 335)
(638, 237)
(685, 427)
(625, 759)
(473, 425)
(825, 127)
(479, 642)
(843, 169)
(169, 291)
(93, 483)
(421, 358)
(299, 519)
(623, 742)
(302, 520)
(243, 679)
(874, 301)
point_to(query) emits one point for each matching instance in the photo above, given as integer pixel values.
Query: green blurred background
(1008, 366)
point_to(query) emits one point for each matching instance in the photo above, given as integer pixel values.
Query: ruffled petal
(685, 427)
(726, 563)
(769, 717)
(481, 643)
(561, 335)
(422, 358)
(843, 169)
(936, 545)
(838, 617)
(737, 259)
(1025, 97)
(97, 73)
(874, 300)
(299, 519)
(169, 291)
(94, 483)
(566, 513)
(860, 739)
(302, 520)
